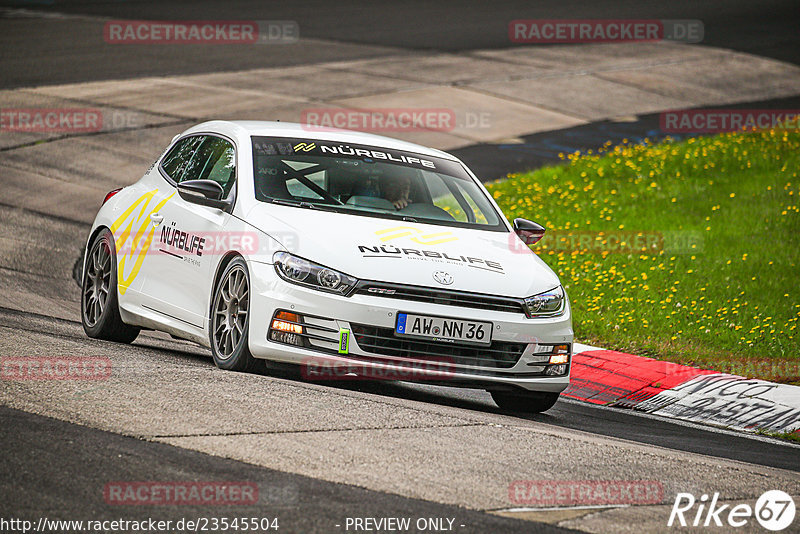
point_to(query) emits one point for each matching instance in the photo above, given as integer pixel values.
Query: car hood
(372, 248)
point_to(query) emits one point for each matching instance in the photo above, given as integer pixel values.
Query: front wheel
(530, 402)
(99, 301)
(230, 319)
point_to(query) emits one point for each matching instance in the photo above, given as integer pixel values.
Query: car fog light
(286, 328)
(559, 354)
(287, 322)
(556, 370)
(285, 337)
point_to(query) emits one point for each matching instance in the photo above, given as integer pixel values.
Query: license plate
(443, 329)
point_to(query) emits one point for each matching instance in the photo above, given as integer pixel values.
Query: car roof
(304, 131)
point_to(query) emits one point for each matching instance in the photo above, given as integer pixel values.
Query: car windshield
(370, 181)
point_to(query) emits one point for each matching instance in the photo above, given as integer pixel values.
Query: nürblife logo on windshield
(284, 146)
(304, 147)
(346, 150)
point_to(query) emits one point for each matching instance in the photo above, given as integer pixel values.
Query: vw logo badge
(443, 277)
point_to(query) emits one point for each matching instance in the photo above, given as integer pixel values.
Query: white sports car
(348, 254)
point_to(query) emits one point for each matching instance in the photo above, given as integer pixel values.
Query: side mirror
(528, 231)
(204, 192)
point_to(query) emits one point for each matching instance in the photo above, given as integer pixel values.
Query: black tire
(99, 298)
(530, 402)
(230, 319)
(77, 270)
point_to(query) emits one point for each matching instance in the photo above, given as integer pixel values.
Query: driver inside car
(396, 189)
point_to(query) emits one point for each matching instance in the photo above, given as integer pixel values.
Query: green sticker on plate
(344, 341)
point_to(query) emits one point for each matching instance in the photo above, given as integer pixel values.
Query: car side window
(175, 162)
(213, 160)
(204, 157)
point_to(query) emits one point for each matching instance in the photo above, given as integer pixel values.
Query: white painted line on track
(561, 508)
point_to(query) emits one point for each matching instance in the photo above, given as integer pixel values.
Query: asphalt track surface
(88, 459)
(57, 467)
(36, 51)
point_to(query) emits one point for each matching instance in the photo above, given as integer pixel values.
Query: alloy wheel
(230, 312)
(98, 282)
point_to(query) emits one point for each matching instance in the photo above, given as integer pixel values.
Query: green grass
(790, 436)
(718, 285)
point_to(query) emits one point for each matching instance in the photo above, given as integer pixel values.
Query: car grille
(498, 355)
(441, 296)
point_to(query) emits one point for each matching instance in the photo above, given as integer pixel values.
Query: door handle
(156, 218)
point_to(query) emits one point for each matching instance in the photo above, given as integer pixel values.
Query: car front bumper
(517, 358)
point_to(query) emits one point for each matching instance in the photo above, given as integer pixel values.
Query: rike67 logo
(774, 510)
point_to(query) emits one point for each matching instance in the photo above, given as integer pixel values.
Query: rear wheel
(99, 301)
(230, 319)
(530, 402)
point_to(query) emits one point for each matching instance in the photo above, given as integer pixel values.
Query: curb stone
(612, 378)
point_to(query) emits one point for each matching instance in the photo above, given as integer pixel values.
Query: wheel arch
(109, 324)
(92, 236)
(221, 266)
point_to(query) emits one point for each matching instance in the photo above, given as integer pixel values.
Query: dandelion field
(721, 290)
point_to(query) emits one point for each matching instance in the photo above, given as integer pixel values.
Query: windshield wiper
(302, 204)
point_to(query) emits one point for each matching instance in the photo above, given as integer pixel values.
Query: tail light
(111, 194)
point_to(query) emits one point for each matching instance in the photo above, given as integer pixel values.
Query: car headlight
(548, 304)
(306, 273)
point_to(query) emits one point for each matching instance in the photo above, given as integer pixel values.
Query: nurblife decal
(305, 147)
(426, 239)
